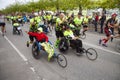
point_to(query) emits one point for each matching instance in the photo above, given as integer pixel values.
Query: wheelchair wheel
(63, 45)
(62, 61)
(91, 54)
(14, 31)
(83, 36)
(117, 47)
(35, 51)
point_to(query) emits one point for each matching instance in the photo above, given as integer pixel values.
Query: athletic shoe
(27, 44)
(111, 39)
(100, 41)
(104, 45)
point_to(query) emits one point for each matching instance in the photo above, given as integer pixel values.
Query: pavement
(17, 62)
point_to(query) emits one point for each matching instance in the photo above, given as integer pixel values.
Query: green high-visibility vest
(78, 21)
(68, 33)
(16, 24)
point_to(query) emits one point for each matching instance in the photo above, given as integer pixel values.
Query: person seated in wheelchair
(40, 36)
(74, 41)
(15, 26)
(42, 41)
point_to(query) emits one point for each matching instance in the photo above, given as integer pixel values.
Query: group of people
(71, 26)
(63, 27)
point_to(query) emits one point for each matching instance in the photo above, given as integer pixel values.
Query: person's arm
(46, 37)
(116, 23)
(32, 33)
(109, 25)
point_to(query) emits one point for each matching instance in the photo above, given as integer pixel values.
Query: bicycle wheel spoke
(60, 59)
(90, 53)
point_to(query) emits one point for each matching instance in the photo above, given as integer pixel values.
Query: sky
(5, 3)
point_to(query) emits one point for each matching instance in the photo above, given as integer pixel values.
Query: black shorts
(59, 34)
(2, 24)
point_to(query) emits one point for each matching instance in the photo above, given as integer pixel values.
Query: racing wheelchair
(37, 47)
(65, 44)
(17, 29)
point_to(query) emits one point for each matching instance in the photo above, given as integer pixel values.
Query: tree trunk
(57, 6)
(80, 9)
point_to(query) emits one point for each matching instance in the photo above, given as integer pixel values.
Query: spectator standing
(102, 21)
(96, 22)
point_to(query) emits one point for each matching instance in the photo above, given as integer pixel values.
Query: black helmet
(85, 26)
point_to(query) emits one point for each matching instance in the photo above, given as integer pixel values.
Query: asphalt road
(17, 62)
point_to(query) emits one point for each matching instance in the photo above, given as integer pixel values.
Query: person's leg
(112, 30)
(73, 44)
(95, 26)
(101, 27)
(79, 45)
(58, 40)
(3, 28)
(50, 26)
(31, 39)
(76, 43)
(18, 30)
(38, 45)
(105, 40)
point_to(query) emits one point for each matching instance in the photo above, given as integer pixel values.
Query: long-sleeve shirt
(39, 36)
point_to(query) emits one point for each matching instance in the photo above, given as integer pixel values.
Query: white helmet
(40, 29)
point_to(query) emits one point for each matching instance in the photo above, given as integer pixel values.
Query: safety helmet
(114, 14)
(40, 29)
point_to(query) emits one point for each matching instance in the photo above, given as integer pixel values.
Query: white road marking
(32, 68)
(102, 48)
(21, 55)
(43, 79)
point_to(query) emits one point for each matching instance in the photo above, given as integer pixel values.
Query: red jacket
(39, 36)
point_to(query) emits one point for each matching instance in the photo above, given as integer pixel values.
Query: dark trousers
(77, 43)
(31, 38)
(95, 23)
(15, 29)
(101, 27)
(112, 29)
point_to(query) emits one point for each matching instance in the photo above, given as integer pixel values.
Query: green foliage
(61, 5)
